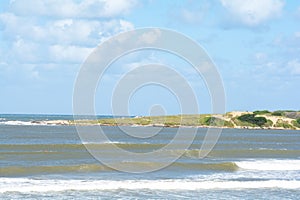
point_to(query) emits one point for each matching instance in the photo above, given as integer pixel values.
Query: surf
(269, 165)
(27, 185)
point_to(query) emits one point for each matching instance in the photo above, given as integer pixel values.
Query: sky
(255, 45)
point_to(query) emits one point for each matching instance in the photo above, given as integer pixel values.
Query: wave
(86, 168)
(118, 142)
(262, 165)
(30, 170)
(40, 147)
(190, 153)
(257, 165)
(222, 166)
(91, 145)
(270, 165)
(268, 152)
(25, 123)
(31, 185)
(150, 147)
(194, 153)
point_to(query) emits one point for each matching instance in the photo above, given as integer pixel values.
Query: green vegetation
(287, 113)
(296, 123)
(269, 123)
(214, 121)
(190, 120)
(277, 113)
(242, 123)
(169, 121)
(283, 124)
(229, 124)
(261, 112)
(256, 119)
(250, 118)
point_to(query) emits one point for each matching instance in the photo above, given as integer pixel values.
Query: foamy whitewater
(51, 162)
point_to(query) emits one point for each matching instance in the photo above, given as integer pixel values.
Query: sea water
(42, 161)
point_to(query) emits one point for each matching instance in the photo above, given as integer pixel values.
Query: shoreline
(74, 123)
(257, 120)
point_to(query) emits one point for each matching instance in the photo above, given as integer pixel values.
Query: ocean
(51, 162)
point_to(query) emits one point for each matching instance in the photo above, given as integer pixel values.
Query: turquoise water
(50, 162)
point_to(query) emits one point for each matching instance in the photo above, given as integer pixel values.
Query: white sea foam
(249, 175)
(113, 142)
(30, 185)
(270, 165)
(104, 142)
(26, 123)
(16, 123)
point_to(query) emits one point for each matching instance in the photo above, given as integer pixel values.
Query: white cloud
(195, 15)
(68, 53)
(297, 34)
(69, 8)
(23, 51)
(133, 65)
(125, 25)
(281, 70)
(117, 7)
(29, 39)
(148, 59)
(191, 12)
(293, 67)
(150, 37)
(32, 71)
(63, 24)
(52, 34)
(63, 31)
(253, 12)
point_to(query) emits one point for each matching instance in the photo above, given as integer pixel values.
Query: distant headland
(261, 119)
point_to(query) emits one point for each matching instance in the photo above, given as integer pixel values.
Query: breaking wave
(31, 185)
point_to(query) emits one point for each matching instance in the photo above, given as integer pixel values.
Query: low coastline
(288, 120)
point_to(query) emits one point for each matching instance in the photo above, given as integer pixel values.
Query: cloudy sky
(255, 45)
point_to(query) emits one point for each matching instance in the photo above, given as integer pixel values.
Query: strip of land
(237, 119)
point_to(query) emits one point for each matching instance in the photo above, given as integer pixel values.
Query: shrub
(261, 112)
(214, 121)
(171, 124)
(259, 121)
(277, 113)
(228, 124)
(242, 123)
(246, 117)
(296, 123)
(269, 123)
(284, 124)
(209, 120)
(250, 118)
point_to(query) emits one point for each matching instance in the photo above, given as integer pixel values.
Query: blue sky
(255, 45)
